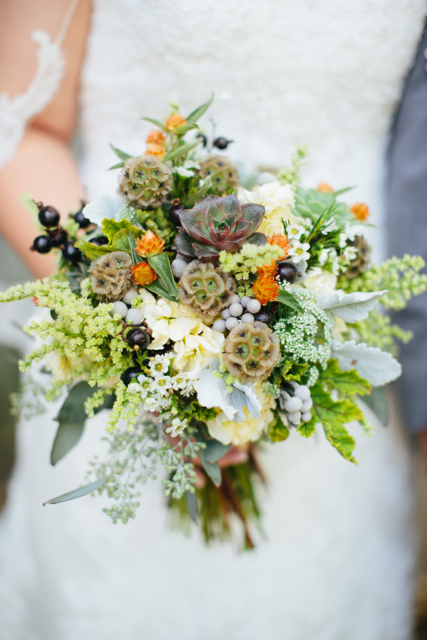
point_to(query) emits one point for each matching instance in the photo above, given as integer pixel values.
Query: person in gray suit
(407, 231)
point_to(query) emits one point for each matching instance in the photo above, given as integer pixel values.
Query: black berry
(263, 316)
(58, 238)
(138, 339)
(99, 240)
(41, 244)
(71, 253)
(81, 220)
(222, 143)
(173, 214)
(287, 271)
(49, 217)
(128, 375)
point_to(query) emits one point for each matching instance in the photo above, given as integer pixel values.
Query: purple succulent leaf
(242, 229)
(257, 238)
(229, 245)
(190, 217)
(205, 252)
(254, 213)
(182, 244)
(200, 233)
(230, 205)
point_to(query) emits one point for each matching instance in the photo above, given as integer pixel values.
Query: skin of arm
(43, 164)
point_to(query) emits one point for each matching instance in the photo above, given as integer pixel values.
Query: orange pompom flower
(143, 274)
(174, 122)
(156, 136)
(281, 241)
(324, 186)
(149, 245)
(360, 210)
(154, 149)
(265, 288)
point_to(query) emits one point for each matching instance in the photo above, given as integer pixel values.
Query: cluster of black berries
(137, 339)
(56, 237)
(219, 143)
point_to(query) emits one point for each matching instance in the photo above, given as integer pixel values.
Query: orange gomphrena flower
(174, 122)
(360, 210)
(281, 242)
(324, 186)
(157, 137)
(154, 149)
(149, 245)
(143, 274)
(265, 289)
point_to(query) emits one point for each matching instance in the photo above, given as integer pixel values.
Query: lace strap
(16, 111)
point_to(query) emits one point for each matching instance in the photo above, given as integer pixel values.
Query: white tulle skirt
(337, 563)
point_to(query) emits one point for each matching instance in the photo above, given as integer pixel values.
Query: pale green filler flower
(249, 259)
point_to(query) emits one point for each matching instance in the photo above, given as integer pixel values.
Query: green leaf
(288, 299)
(119, 165)
(349, 382)
(181, 151)
(341, 191)
(120, 154)
(72, 409)
(162, 266)
(77, 493)
(199, 194)
(215, 450)
(200, 111)
(191, 500)
(212, 469)
(67, 436)
(29, 204)
(293, 370)
(306, 429)
(156, 287)
(377, 402)
(91, 251)
(334, 415)
(158, 123)
(277, 430)
(110, 227)
(182, 130)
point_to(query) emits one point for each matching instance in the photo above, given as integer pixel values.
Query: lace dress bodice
(320, 72)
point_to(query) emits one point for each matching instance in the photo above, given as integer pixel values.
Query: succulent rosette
(203, 315)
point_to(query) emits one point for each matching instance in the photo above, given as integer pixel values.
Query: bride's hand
(422, 443)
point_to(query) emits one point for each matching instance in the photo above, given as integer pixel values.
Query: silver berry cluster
(123, 308)
(297, 406)
(240, 309)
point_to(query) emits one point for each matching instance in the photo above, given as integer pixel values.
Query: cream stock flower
(168, 320)
(196, 350)
(277, 200)
(320, 281)
(249, 430)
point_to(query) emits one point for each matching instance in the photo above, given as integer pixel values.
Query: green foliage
(77, 493)
(292, 175)
(277, 430)
(310, 203)
(160, 263)
(348, 382)
(189, 408)
(291, 370)
(333, 415)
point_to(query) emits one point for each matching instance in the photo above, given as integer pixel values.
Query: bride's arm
(43, 164)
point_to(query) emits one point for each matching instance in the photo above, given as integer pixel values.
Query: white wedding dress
(338, 559)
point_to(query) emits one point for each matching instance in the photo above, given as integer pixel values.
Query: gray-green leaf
(67, 436)
(191, 500)
(181, 151)
(200, 111)
(77, 493)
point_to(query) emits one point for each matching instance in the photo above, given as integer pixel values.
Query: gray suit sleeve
(407, 227)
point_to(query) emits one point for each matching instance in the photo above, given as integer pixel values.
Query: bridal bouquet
(207, 316)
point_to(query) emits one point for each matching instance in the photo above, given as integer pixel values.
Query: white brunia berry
(307, 404)
(225, 314)
(219, 325)
(306, 417)
(129, 296)
(134, 316)
(302, 392)
(253, 306)
(293, 404)
(236, 309)
(231, 322)
(235, 299)
(120, 308)
(244, 301)
(295, 417)
(248, 317)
